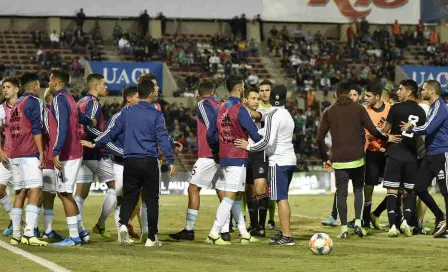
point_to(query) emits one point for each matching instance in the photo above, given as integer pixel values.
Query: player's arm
(93, 111)
(163, 140)
(367, 123)
(33, 112)
(61, 111)
(84, 120)
(212, 133)
(322, 131)
(3, 156)
(258, 115)
(433, 121)
(111, 133)
(248, 124)
(272, 125)
(113, 146)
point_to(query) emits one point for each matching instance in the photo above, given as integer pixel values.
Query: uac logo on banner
(117, 76)
(420, 74)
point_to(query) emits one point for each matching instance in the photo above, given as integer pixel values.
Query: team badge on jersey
(261, 170)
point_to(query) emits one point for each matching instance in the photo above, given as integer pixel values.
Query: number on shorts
(413, 120)
(193, 171)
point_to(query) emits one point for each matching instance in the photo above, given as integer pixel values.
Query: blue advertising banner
(433, 10)
(420, 74)
(121, 74)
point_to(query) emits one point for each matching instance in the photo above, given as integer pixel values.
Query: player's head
(431, 90)
(146, 90)
(278, 96)
(251, 98)
(265, 88)
(30, 83)
(408, 89)
(48, 96)
(355, 93)
(11, 87)
(153, 79)
(206, 88)
(372, 94)
(59, 79)
(235, 85)
(342, 89)
(130, 96)
(96, 84)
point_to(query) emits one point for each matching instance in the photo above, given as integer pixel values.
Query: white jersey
(277, 140)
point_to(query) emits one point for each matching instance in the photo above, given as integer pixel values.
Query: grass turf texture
(372, 253)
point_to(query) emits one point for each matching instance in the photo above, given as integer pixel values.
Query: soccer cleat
(247, 239)
(36, 232)
(276, 237)
(53, 235)
(271, 225)
(443, 235)
(283, 241)
(361, 232)
(258, 232)
(330, 222)
(68, 242)
(406, 229)
(124, 236)
(15, 240)
(225, 236)
(101, 231)
(351, 224)
(154, 242)
(439, 228)
(393, 232)
(183, 235)
(132, 233)
(343, 235)
(216, 240)
(32, 241)
(375, 221)
(143, 238)
(8, 230)
(85, 236)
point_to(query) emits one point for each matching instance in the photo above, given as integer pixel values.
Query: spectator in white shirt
(214, 61)
(54, 38)
(123, 45)
(295, 60)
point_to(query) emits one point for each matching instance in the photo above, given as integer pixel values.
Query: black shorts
(432, 166)
(400, 174)
(375, 164)
(257, 169)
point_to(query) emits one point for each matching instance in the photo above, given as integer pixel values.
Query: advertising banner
(121, 74)
(420, 74)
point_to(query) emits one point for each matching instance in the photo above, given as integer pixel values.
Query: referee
(144, 130)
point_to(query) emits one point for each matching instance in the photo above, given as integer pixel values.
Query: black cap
(278, 96)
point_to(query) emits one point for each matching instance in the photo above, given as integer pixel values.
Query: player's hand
(3, 156)
(328, 166)
(56, 162)
(93, 122)
(179, 146)
(87, 144)
(382, 149)
(241, 143)
(405, 126)
(42, 160)
(394, 139)
(173, 172)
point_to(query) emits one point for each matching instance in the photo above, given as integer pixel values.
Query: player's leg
(332, 220)
(252, 205)
(151, 189)
(263, 204)
(83, 183)
(375, 215)
(357, 177)
(271, 221)
(342, 178)
(5, 200)
(420, 212)
(442, 182)
(392, 181)
(409, 174)
(48, 195)
(375, 162)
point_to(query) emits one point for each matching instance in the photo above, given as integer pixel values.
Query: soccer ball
(321, 244)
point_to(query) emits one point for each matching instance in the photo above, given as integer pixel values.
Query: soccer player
(434, 162)
(205, 170)
(144, 129)
(11, 87)
(27, 159)
(332, 221)
(64, 121)
(231, 121)
(49, 177)
(401, 163)
(345, 120)
(279, 131)
(257, 173)
(265, 91)
(95, 161)
(375, 149)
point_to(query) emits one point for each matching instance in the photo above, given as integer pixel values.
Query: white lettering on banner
(96, 186)
(137, 72)
(123, 75)
(421, 77)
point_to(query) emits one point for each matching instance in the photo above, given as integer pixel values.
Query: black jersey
(408, 111)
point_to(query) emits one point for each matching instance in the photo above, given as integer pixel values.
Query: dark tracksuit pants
(141, 174)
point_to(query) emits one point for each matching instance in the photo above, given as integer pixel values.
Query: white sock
(144, 216)
(16, 217)
(108, 205)
(80, 224)
(36, 224)
(48, 220)
(72, 223)
(238, 214)
(226, 226)
(191, 219)
(31, 215)
(6, 204)
(221, 215)
(80, 202)
(117, 217)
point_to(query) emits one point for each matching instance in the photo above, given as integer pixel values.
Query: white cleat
(154, 243)
(393, 232)
(124, 236)
(406, 229)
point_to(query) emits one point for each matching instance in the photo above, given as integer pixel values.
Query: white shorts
(105, 172)
(49, 181)
(66, 177)
(234, 179)
(205, 173)
(118, 170)
(85, 173)
(5, 174)
(102, 168)
(26, 173)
